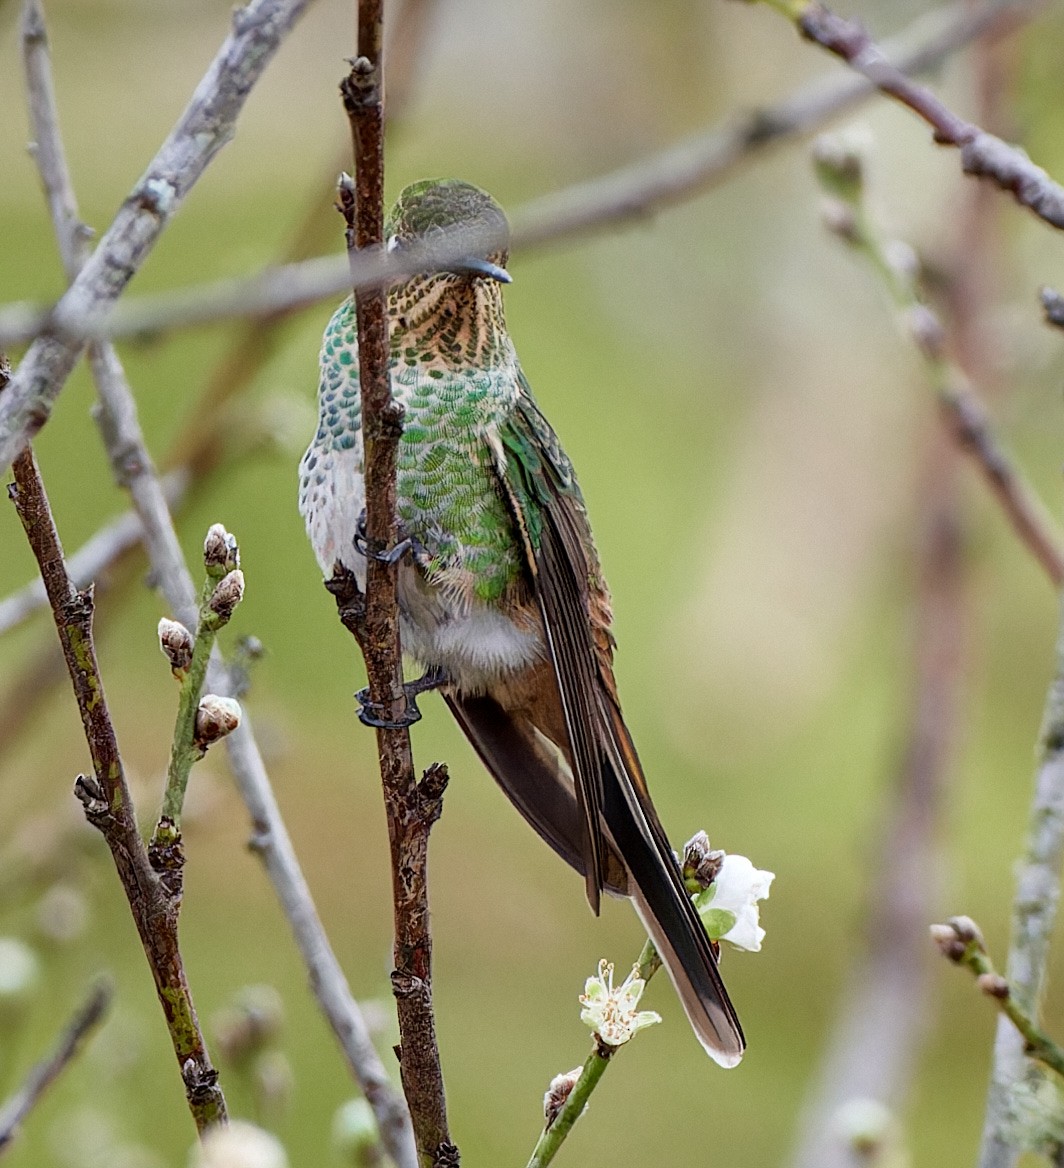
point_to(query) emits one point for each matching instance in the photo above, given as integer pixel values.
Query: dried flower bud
(215, 718)
(967, 931)
(239, 1145)
(220, 551)
(993, 985)
(561, 1087)
(176, 642)
(354, 1132)
(701, 863)
(949, 944)
(227, 595)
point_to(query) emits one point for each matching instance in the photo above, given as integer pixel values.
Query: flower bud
(993, 985)
(839, 165)
(215, 718)
(176, 643)
(701, 863)
(354, 1132)
(239, 1145)
(949, 944)
(561, 1087)
(220, 552)
(227, 595)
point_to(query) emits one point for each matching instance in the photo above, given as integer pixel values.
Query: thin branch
(108, 803)
(1034, 912)
(982, 154)
(205, 126)
(98, 555)
(841, 172)
(411, 807)
(76, 1032)
(629, 194)
(133, 466)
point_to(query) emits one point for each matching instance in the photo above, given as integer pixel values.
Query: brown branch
(982, 154)
(108, 804)
(411, 807)
(89, 1015)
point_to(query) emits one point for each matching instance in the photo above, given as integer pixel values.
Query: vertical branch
(1034, 913)
(108, 804)
(133, 466)
(411, 807)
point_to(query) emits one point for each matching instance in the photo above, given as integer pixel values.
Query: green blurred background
(750, 429)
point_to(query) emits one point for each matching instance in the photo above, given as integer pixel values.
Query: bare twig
(631, 193)
(133, 466)
(982, 154)
(411, 807)
(108, 804)
(206, 125)
(94, 558)
(89, 1015)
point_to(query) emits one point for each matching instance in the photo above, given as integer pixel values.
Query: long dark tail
(639, 860)
(663, 903)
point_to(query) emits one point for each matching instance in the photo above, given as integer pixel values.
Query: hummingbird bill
(501, 596)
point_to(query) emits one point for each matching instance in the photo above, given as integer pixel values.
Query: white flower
(240, 1145)
(611, 1011)
(728, 907)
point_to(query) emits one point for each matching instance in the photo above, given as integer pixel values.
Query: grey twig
(631, 193)
(205, 126)
(133, 467)
(44, 1074)
(1034, 911)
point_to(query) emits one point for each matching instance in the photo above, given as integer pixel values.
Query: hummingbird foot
(408, 545)
(370, 713)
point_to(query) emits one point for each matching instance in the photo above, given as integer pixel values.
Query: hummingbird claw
(369, 711)
(407, 545)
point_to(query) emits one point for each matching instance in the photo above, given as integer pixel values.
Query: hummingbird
(501, 596)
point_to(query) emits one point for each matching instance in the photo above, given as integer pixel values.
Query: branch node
(90, 794)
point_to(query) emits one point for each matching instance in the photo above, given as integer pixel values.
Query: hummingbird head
(440, 212)
(451, 315)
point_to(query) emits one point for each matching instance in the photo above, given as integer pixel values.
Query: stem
(553, 1137)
